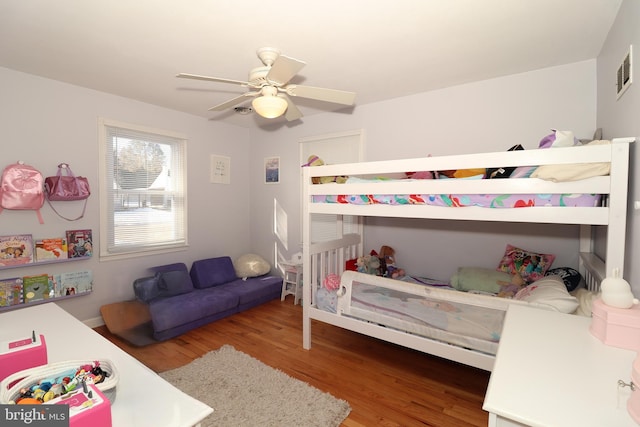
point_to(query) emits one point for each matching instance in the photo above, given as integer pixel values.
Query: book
(50, 249)
(54, 285)
(79, 243)
(72, 283)
(36, 288)
(11, 292)
(16, 250)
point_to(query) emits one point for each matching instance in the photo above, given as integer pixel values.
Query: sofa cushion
(174, 282)
(178, 266)
(167, 313)
(146, 288)
(212, 272)
(253, 289)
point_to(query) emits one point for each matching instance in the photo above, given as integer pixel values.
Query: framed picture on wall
(220, 169)
(272, 170)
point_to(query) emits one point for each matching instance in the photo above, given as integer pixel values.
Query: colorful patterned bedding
(462, 200)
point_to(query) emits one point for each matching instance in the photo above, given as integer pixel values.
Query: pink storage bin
(617, 327)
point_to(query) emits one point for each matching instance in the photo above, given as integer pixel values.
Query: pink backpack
(22, 188)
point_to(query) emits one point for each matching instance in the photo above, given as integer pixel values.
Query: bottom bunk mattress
(459, 318)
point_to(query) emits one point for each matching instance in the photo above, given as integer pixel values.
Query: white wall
(45, 122)
(621, 117)
(490, 115)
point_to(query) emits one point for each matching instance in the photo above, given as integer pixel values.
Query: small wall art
(272, 170)
(220, 169)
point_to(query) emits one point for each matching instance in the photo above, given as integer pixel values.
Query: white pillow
(549, 292)
(251, 265)
(574, 171)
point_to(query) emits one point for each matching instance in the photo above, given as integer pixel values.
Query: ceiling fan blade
(283, 70)
(292, 113)
(234, 101)
(211, 79)
(321, 94)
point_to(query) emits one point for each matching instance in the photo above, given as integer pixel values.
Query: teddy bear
(368, 264)
(314, 160)
(388, 263)
(510, 289)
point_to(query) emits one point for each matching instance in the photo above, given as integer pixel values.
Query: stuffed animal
(395, 273)
(387, 260)
(463, 173)
(420, 175)
(368, 264)
(388, 267)
(362, 263)
(314, 160)
(509, 289)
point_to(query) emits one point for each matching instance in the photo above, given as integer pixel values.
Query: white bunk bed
(323, 258)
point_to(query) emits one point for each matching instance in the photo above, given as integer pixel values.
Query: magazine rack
(22, 251)
(49, 261)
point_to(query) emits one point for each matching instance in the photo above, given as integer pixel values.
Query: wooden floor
(386, 385)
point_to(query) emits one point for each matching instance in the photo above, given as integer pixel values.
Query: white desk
(143, 399)
(550, 371)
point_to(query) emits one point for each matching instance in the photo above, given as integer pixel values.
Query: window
(142, 188)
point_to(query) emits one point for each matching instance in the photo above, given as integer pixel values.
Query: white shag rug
(245, 392)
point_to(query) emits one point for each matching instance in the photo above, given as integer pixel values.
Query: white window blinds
(144, 196)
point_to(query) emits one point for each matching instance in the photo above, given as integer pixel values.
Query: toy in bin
(87, 387)
(88, 407)
(23, 353)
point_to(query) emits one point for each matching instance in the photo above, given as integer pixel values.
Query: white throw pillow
(574, 171)
(251, 265)
(549, 292)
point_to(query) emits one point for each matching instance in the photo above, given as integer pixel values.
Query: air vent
(623, 78)
(243, 110)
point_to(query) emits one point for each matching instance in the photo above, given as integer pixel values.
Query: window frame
(105, 177)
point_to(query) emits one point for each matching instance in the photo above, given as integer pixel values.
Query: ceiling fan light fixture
(269, 106)
(270, 89)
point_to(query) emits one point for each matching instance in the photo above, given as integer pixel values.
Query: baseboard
(94, 323)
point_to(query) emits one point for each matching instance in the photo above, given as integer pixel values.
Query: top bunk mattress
(576, 185)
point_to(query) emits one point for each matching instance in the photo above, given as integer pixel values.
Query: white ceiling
(378, 49)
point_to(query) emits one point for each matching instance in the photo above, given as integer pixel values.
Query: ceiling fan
(270, 89)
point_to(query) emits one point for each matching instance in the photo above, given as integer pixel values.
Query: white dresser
(550, 371)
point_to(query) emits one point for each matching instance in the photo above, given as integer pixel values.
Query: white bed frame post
(321, 258)
(617, 221)
(617, 229)
(307, 286)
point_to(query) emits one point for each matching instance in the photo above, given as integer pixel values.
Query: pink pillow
(331, 282)
(420, 175)
(530, 265)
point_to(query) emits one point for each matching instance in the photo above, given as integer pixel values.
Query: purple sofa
(180, 300)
